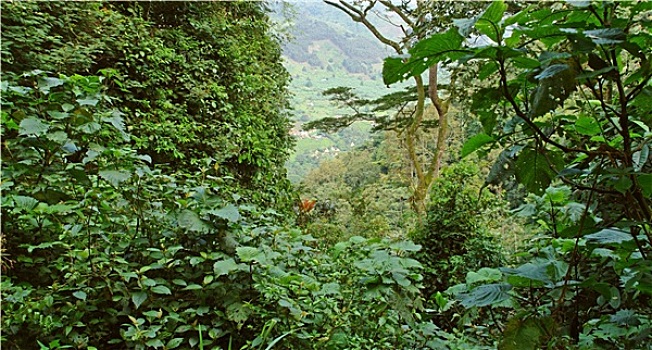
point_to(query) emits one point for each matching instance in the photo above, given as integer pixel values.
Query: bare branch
(360, 16)
(412, 129)
(442, 132)
(398, 11)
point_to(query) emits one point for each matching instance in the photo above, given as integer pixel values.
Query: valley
(325, 50)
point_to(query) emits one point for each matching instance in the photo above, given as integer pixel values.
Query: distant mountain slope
(358, 52)
(313, 22)
(327, 49)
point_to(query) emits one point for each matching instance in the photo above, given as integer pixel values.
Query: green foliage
(599, 288)
(436, 48)
(567, 105)
(474, 143)
(131, 197)
(331, 299)
(201, 85)
(361, 192)
(110, 252)
(459, 234)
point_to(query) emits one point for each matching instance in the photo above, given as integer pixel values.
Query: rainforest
(336, 174)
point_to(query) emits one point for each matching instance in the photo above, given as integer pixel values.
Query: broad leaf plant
(567, 98)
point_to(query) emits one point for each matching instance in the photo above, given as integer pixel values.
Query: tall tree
(409, 120)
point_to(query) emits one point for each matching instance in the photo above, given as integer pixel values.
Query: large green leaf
(229, 212)
(179, 282)
(475, 142)
(24, 203)
(395, 70)
(639, 158)
(154, 343)
(405, 246)
(623, 184)
(189, 220)
(90, 128)
(328, 289)
(530, 272)
(626, 317)
(438, 47)
(485, 274)
(138, 298)
(558, 194)
(525, 62)
(116, 121)
(521, 335)
(161, 290)
(174, 343)
(488, 69)
(587, 126)
(238, 312)
(401, 279)
(645, 181)
(609, 236)
(248, 254)
(224, 267)
(88, 102)
(606, 36)
(551, 93)
(534, 171)
(80, 295)
(46, 245)
(485, 295)
(425, 53)
(46, 83)
(115, 177)
(33, 126)
(193, 287)
(489, 22)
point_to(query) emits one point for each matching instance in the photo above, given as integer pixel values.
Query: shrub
(110, 253)
(457, 236)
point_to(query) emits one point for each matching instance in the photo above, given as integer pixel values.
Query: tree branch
(360, 16)
(414, 126)
(398, 11)
(524, 117)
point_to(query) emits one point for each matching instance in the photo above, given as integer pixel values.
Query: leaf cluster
(565, 106)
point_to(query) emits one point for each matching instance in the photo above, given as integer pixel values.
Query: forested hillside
(136, 138)
(325, 50)
(506, 204)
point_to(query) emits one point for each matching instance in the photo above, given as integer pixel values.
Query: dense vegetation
(194, 81)
(562, 92)
(145, 202)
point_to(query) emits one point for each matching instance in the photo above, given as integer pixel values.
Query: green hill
(327, 50)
